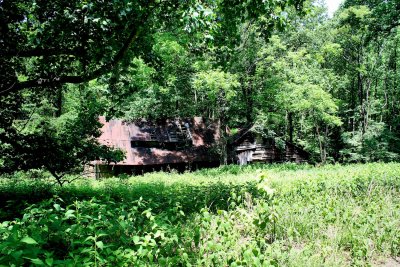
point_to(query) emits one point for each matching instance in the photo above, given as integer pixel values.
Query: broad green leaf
(49, 261)
(29, 240)
(36, 261)
(136, 239)
(100, 244)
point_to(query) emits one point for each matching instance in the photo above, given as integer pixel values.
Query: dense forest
(330, 85)
(286, 72)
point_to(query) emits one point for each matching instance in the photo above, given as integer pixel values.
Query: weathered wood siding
(250, 150)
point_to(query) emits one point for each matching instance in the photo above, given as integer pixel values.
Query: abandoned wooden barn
(183, 144)
(248, 147)
(158, 145)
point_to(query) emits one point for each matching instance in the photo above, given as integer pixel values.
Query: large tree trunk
(248, 92)
(222, 127)
(321, 149)
(59, 101)
(360, 90)
(290, 121)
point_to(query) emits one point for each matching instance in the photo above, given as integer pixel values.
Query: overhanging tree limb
(37, 52)
(76, 79)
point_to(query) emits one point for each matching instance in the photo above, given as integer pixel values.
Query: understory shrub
(328, 216)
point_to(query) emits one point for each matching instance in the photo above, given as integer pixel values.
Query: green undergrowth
(204, 188)
(284, 215)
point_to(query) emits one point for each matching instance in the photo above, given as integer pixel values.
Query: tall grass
(265, 215)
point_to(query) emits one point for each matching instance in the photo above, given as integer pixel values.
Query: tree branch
(76, 79)
(37, 52)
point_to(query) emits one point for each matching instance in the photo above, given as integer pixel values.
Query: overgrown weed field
(265, 215)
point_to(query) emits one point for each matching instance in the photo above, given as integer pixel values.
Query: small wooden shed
(248, 147)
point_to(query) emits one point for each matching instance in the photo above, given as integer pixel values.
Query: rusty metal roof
(128, 136)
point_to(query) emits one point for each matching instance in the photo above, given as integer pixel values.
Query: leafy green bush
(328, 216)
(90, 232)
